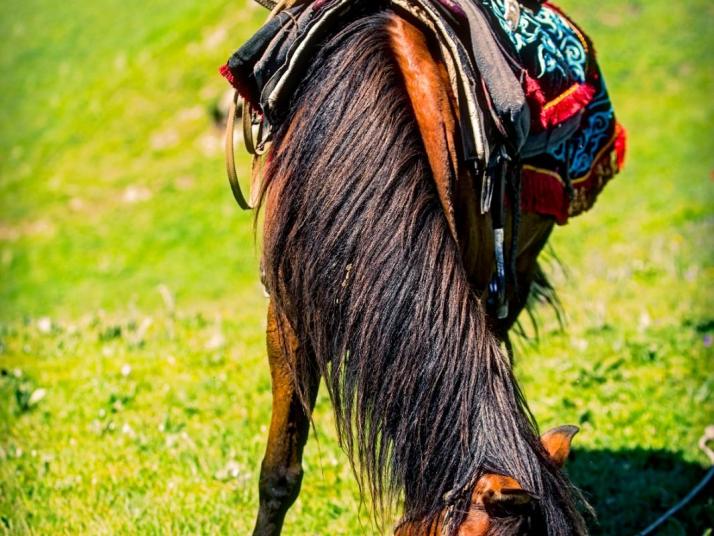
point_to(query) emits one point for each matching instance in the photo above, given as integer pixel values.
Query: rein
(704, 446)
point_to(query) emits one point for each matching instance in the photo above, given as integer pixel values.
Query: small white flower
(231, 470)
(36, 396)
(216, 341)
(44, 324)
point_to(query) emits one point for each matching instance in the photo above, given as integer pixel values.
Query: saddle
(533, 107)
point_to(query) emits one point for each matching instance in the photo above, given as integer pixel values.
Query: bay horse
(377, 266)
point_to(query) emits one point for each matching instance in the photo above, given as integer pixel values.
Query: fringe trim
(244, 91)
(544, 193)
(565, 106)
(534, 93)
(228, 75)
(620, 145)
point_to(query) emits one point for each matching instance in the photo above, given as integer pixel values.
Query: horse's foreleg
(281, 470)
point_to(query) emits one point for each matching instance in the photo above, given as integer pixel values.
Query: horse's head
(499, 505)
(500, 500)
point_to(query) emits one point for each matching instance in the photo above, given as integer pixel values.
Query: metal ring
(255, 133)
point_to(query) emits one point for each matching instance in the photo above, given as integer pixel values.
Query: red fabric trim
(620, 145)
(235, 82)
(543, 191)
(551, 116)
(228, 75)
(543, 194)
(534, 93)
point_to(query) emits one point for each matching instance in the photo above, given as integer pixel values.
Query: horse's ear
(557, 442)
(502, 492)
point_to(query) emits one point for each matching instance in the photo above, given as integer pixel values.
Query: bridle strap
(229, 149)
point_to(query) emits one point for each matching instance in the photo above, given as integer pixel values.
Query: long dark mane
(359, 258)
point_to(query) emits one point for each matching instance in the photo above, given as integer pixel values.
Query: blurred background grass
(135, 394)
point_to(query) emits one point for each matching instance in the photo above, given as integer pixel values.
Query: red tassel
(566, 107)
(542, 193)
(620, 145)
(228, 75)
(244, 91)
(534, 93)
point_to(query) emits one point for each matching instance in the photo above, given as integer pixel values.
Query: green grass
(121, 412)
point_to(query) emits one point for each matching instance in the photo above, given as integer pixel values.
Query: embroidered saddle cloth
(525, 77)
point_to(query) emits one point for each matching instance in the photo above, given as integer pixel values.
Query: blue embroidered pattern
(547, 37)
(596, 128)
(555, 53)
(552, 51)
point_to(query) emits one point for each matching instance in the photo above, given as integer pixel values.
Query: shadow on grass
(630, 489)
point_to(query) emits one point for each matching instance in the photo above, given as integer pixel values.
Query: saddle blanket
(525, 76)
(563, 179)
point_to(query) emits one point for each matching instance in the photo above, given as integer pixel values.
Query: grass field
(134, 391)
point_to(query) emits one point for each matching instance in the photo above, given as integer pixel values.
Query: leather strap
(230, 155)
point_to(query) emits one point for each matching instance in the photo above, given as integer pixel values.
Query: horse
(378, 267)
